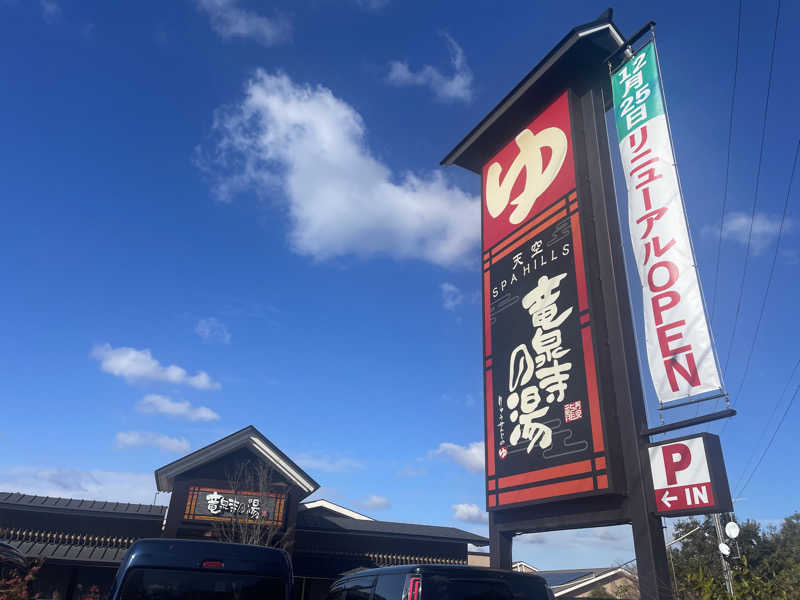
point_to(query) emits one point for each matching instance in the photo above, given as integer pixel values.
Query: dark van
(439, 582)
(166, 569)
(12, 563)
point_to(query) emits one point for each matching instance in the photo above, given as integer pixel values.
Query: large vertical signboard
(544, 431)
(679, 350)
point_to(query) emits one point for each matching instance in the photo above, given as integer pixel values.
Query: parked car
(11, 561)
(439, 582)
(167, 569)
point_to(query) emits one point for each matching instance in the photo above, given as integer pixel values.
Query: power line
(728, 161)
(771, 272)
(772, 439)
(727, 173)
(758, 181)
(769, 420)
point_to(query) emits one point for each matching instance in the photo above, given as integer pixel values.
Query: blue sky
(220, 213)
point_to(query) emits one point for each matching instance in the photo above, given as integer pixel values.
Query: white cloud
(765, 229)
(213, 330)
(309, 144)
(134, 439)
(374, 502)
(51, 11)
(410, 471)
(451, 296)
(139, 365)
(155, 403)
(469, 513)
(327, 463)
(230, 21)
(457, 86)
(470, 457)
(616, 537)
(116, 486)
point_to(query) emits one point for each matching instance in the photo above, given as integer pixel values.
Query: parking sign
(689, 476)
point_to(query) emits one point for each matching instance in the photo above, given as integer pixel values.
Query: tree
(16, 585)
(599, 592)
(254, 523)
(625, 590)
(769, 566)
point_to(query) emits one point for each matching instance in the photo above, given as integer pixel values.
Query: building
(614, 582)
(240, 487)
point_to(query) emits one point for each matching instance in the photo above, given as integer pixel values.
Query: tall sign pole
(621, 364)
(567, 438)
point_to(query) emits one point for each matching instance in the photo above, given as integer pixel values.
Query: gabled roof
(334, 508)
(584, 47)
(521, 565)
(571, 582)
(50, 504)
(321, 521)
(250, 438)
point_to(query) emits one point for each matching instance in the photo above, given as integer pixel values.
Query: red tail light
(211, 564)
(414, 588)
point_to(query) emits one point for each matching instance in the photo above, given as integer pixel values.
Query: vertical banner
(679, 349)
(544, 430)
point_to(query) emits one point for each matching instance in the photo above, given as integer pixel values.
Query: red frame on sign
(555, 115)
(559, 200)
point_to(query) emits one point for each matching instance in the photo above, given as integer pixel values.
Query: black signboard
(547, 439)
(544, 430)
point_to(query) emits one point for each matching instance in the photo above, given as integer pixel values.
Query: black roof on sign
(583, 49)
(314, 519)
(51, 504)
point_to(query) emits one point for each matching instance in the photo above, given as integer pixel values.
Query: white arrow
(667, 499)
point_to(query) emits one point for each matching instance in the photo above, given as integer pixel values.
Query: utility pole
(726, 569)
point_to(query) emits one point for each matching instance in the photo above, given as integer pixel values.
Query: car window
(359, 588)
(444, 588)
(173, 584)
(528, 588)
(390, 586)
(336, 593)
(438, 587)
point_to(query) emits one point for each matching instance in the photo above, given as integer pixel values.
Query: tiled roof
(557, 578)
(52, 504)
(321, 520)
(72, 552)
